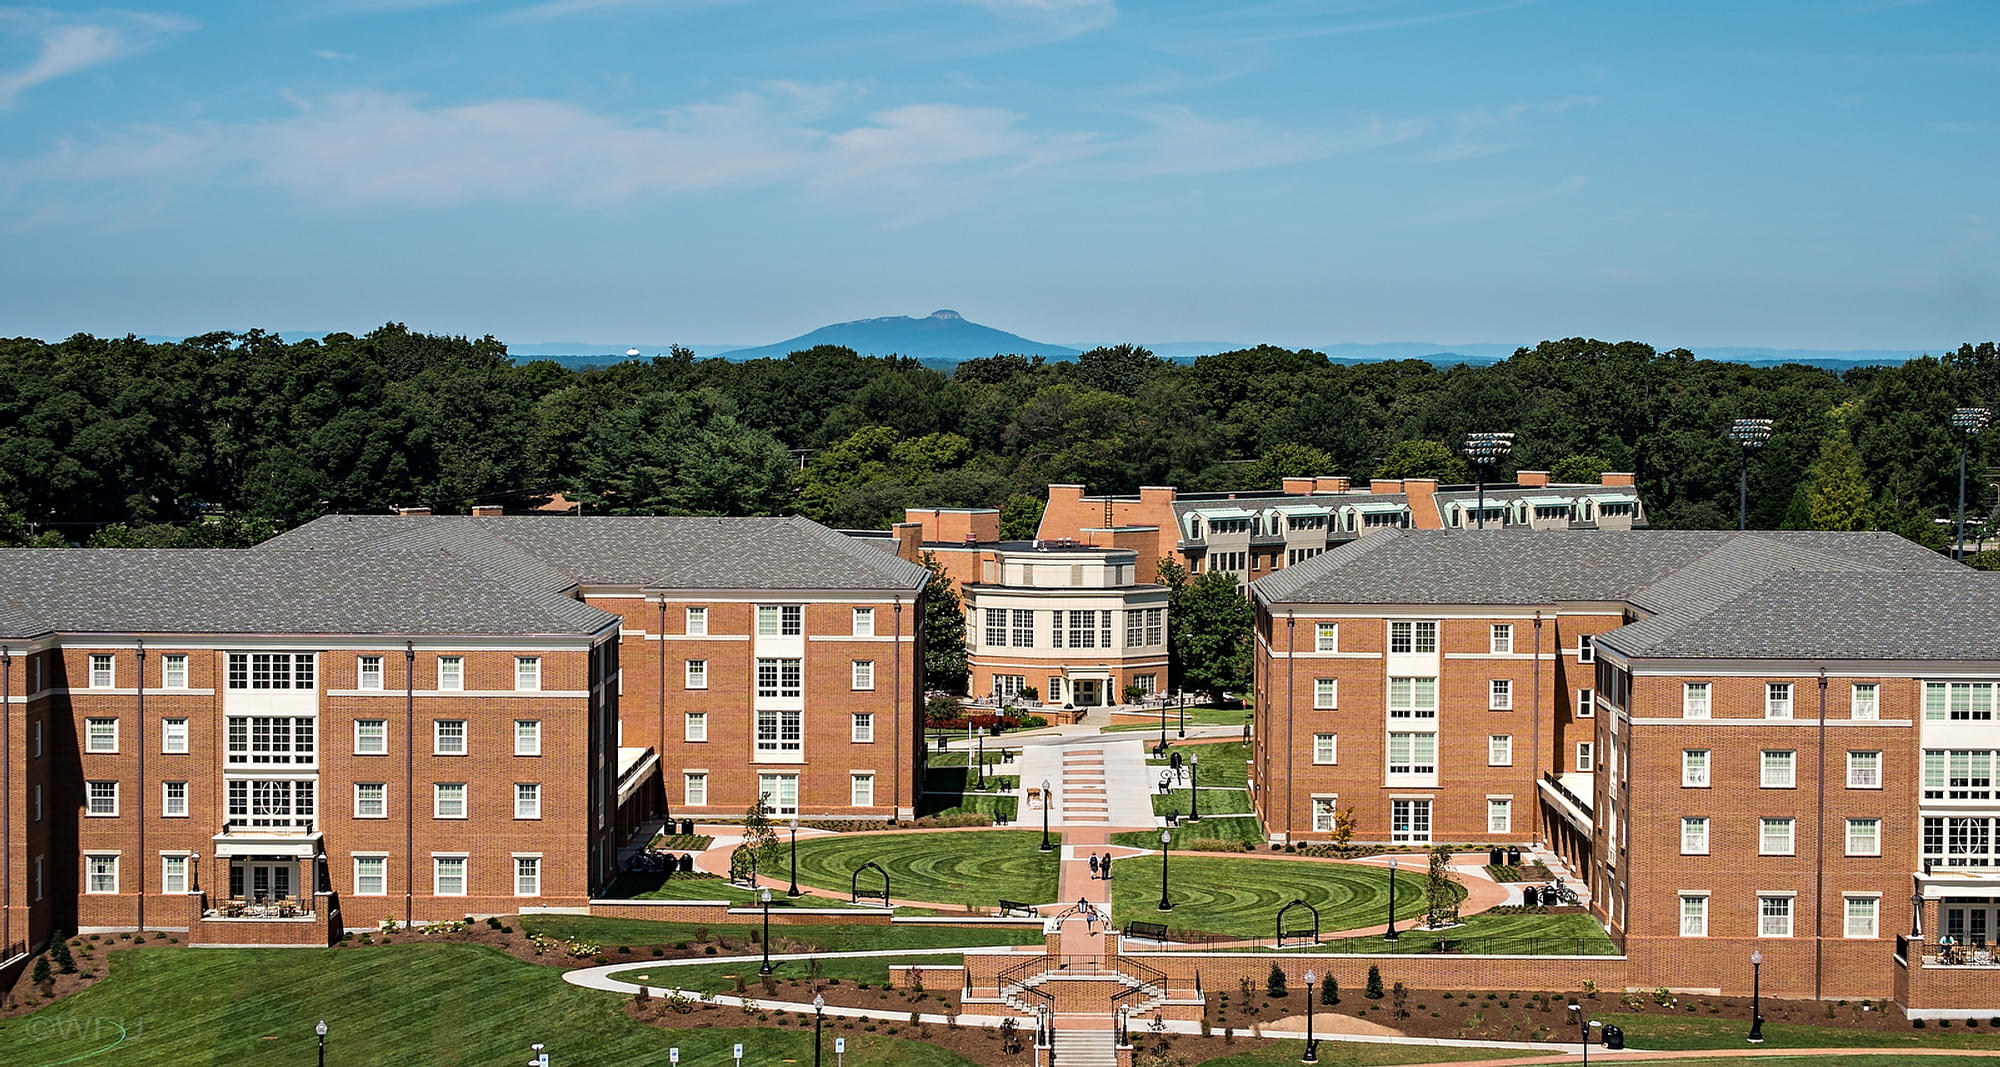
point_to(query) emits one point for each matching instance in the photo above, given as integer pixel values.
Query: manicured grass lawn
(1213, 801)
(641, 933)
(961, 779)
(1666, 1030)
(1241, 897)
(1786, 1061)
(1195, 717)
(994, 759)
(430, 1004)
(1492, 935)
(1355, 1054)
(961, 867)
(1224, 764)
(1236, 829)
(721, 977)
(703, 886)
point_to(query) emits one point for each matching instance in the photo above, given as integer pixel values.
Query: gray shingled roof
(1833, 615)
(1486, 567)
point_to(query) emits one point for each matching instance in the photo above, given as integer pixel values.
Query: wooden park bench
(1012, 907)
(1149, 931)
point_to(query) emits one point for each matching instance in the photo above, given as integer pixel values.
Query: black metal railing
(1419, 942)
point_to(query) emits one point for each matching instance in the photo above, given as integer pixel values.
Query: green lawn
(961, 779)
(1783, 1061)
(1666, 1030)
(640, 933)
(962, 867)
(1236, 829)
(721, 977)
(1214, 801)
(704, 886)
(994, 759)
(1355, 1054)
(429, 1004)
(1490, 935)
(1224, 764)
(1241, 897)
(1195, 717)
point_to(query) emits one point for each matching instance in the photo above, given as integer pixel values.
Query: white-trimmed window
(1326, 694)
(448, 800)
(1863, 915)
(1586, 756)
(1777, 700)
(37, 797)
(1779, 769)
(1418, 637)
(697, 622)
(780, 620)
(1326, 749)
(697, 674)
(1586, 703)
(527, 737)
(1586, 648)
(694, 789)
(174, 670)
(270, 670)
(1958, 701)
(448, 737)
(527, 800)
(103, 675)
(1326, 637)
(1326, 811)
(1694, 768)
(100, 872)
(1412, 753)
(371, 737)
(864, 622)
(1413, 698)
(1500, 694)
(1866, 701)
(1775, 835)
(174, 737)
(100, 735)
(1500, 750)
(1694, 835)
(780, 678)
(1410, 821)
(779, 793)
(448, 876)
(1864, 837)
(863, 675)
(451, 672)
(174, 800)
(1499, 815)
(101, 799)
(1500, 639)
(173, 873)
(1695, 703)
(371, 876)
(371, 800)
(528, 673)
(861, 790)
(1694, 914)
(781, 731)
(1864, 769)
(527, 876)
(863, 732)
(1774, 915)
(697, 726)
(368, 672)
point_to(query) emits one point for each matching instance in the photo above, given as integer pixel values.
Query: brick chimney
(909, 540)
(1424, 514)
(1330, 483)
(488, 509)
(1386, 485)
(413, 511)
(1532, 479)
(1624, 478)
(1298, 486)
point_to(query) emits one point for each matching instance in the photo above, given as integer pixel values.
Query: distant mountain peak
(946, 313)
(942, 334)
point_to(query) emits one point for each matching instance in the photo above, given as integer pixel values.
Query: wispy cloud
(554, 9)
(1492, 131)
(66, 44)
(333, 56)
(1068, 18)
(1183, 142)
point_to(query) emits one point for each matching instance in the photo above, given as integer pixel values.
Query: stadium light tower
(1967, 421)
(1485, 450)
(1749, 435)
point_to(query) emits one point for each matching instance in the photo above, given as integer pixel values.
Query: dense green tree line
(114, 438)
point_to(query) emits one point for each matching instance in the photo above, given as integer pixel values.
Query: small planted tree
(1329, 991)
(1343, 826)
(1441, 892)
(1374, 991)
(1274, 983)
(59, 952)
(44, 981)
(759, 836)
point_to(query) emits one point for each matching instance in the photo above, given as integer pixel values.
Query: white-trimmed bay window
(780, 732)
(1412, 753)
(1413, 698)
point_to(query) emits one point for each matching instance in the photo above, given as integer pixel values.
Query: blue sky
(1818, 174)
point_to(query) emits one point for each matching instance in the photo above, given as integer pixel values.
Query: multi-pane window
(527, 876)
(1586, 756)
(1774, 916)
(780, 731)
(1500, 639)
(371, 876)
(697, 622)
(694, 788)
(1022, 630)
(1864, 837)
(275, 803)
(1862, 916)
(102, 674)
(448, 876)
(996, 627)
(1326, 748)
(779, 793)
(1326, 693)
(451, 672)
(1586, 703)
(864, 622)
(861, 790)
(1777, 700)
(174, 736)
(1694, 835)
(697, 726)
(697, 674)
(863, 732)
(1500, 694)
(1085, 627)
(527, 800)
(1779, 769)
(269, 739)
(371, 800)
(1694, 768)
(528, 673)
(1866, 701)
(864, 674)
(100, 872)
(1421, 637)
(270, 670)
(1694, 702)
(527, 737)
(174, 670)
(1586, 648)
(1326, 637)
(1499, 815)
(173, 874)
(100, 735)
(1326, 812)
(1413, 698)
(368, 672)
(371, 737)
(1412, 753)
(1156, 626)
(174, 800)
(1958, 774)
(448, 800)
(448, 737)
(1694, 914)
(1864, 770)
(1774, 837)
(780, 678)
(780, 620)
(1959, 842)
(1409, 821)
(1959, 701)
(1500, 750)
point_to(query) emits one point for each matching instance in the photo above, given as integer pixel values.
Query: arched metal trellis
(743, 866)
(1298, 933)
(857, 892)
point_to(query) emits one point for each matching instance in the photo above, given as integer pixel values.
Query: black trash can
(1530, 897)
(1513, 857)
(687, 863)
(687, 826)
(1496, 856)
(1614, 1037)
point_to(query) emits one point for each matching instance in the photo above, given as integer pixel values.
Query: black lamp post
(1485, 450)
(1194, 788)
(1749, 435)
(1967, 421)
(320, 1030)
(1182, 731)
(1163, 729)
(1165, 904)
(765, 897)
(1391, 934)
(982, 762)
(1312, 1047)
(1756, 998)
(1583, 1027)
(1048, 798)
(819, 1010)
(794, 890)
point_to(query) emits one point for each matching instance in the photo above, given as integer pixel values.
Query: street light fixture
(541, 1055)
(1312, 1047)
(1756, 998)
(1048, 798)
(1181, 731)
(1967, 421)
(1391, 934)
(765, 896)
(1584, 1025)
(1749, 435)
(819, 1009)
(794, 890)
(320, 1030)
(1165, 904)
(1485, 450)
(1194, 787)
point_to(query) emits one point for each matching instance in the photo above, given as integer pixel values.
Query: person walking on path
(1107, 866)
(1093, 866)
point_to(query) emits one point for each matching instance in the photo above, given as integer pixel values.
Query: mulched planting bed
(90, 954)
